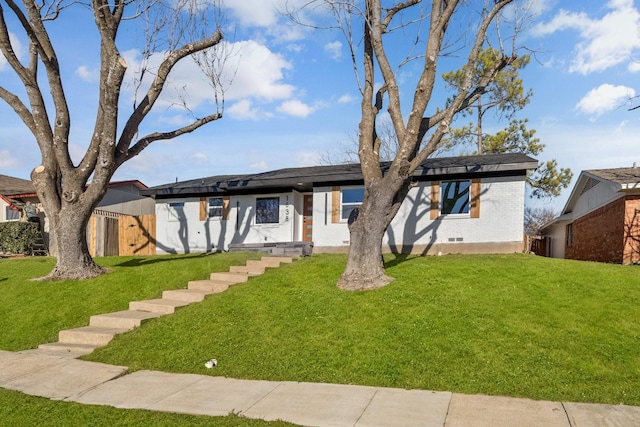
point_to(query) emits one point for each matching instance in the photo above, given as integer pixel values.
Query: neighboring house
(601, 219)
(472, 204)
(122, 198)
(14, 193)
(125, 198)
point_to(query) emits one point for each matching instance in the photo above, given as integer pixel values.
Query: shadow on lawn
(399, 259)
(136, 262)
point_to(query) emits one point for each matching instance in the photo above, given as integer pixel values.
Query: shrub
(18, 237)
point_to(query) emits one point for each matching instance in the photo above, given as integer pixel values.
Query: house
(601, 219)
(122, 198)
(471, 204)
(14, 192)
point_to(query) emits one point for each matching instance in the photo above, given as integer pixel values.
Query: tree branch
(158, 136)
(141, 111)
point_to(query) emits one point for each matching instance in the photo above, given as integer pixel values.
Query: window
(570, 234)
(455, 196)
(215, 207)
(176, 211)
(351, 199)
(11, 214)
(268, 210)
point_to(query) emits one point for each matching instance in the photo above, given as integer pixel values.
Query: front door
(307, 218)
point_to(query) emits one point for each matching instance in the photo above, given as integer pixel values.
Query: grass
(513, 325)
(32, 312)
(18, 409)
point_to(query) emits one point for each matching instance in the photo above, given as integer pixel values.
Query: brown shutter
(475, 198)
(434, 208)
(335, 204)
(203, 208)
(225, 208)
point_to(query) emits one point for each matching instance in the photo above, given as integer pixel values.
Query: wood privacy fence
(115, 234)
(538, 245)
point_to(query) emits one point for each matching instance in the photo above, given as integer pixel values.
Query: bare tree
(536, 218)
(175, 31)
(430, 30)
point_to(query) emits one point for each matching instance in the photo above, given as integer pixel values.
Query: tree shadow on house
(411, 234)
(239, 228)
(631, 245)
(420, 208)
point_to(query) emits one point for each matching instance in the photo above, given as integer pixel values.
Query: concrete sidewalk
(309, 404)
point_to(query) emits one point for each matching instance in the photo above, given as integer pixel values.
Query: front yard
(514, 325)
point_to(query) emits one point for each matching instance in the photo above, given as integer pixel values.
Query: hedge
(18, 237)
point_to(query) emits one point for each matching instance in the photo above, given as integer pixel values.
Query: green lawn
(513, 325)
(18, 409)
(32, 312)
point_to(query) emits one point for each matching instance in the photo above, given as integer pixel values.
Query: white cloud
(7, 161)
(261, 165)
(251, 71)
(295, 107)
(308, 158)
(254, 12)
(17, 48)
(604, 98)
(86, 74)
(200, 157)
(334, 49)
(606, 42)
(345, 99)
(243, 110)
(269, 15)
(634, 67)
(295, 47)
(258, 73)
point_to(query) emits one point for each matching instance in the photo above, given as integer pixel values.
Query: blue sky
(294, 97)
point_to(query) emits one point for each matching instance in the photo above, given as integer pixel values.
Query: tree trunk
(73, 258)
(365, 266)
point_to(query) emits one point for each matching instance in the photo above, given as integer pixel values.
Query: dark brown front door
(307, 219)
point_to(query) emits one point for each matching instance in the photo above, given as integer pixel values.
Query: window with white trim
(351, 198)
(455, 197)
(268, 210)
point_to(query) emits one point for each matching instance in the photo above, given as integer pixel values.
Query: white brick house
(471, 204)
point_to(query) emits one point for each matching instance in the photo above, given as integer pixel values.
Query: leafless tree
(175, 31)
(429, 31)
(536, 218)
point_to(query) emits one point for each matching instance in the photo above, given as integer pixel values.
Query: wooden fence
(122, 235)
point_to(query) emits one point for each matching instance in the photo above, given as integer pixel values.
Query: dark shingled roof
(305, 178)
(10, 186)
(618, 175)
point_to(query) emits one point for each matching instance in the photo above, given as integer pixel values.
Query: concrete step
(122, 319)
(163, 306)
(275, 261)
(191, 295)
(213, 286)
(92, 335)
(256, 268)
(231, 278)
(65, 348)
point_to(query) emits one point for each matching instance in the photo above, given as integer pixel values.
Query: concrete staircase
(103, 327)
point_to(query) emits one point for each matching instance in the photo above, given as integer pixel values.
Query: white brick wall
(501, 220)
